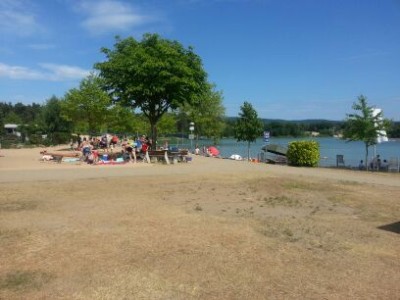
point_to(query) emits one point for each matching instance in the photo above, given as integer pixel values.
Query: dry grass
(199, 237)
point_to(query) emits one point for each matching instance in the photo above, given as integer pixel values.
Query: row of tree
(51, 119)
(154, 86)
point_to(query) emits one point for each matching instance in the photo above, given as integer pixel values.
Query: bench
(181, 155)
(167, 156)
(58, 157)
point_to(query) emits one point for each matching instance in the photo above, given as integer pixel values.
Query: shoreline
(19, 165)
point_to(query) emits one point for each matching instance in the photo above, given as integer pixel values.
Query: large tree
(153, 74)
(248, 127)
(364, 125)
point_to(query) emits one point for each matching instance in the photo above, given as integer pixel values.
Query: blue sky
(292, 59)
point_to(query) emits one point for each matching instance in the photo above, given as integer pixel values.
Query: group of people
(131, 149)
(209, 151)
(375, 164)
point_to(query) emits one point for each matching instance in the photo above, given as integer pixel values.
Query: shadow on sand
(393, 227)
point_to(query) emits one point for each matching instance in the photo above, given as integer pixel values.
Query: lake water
(329, 147)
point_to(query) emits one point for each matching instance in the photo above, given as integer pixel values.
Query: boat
(275, 149)
(275, 154)
(277, 159)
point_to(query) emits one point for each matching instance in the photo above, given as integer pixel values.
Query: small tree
(88, 104)
(248, 127)
(365, 126)
(207, 112)
(58, 129)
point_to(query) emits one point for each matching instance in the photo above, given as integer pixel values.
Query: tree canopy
(364, 125)
(248, 127)
(153, 74)
(207, 112)
(88, 104)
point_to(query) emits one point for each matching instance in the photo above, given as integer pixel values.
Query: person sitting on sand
(103, 142)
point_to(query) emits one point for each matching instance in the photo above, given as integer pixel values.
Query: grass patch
(18, 206)
(349, 182)
(24, 280)
(7, 235)
(281, 201)
(298, 185)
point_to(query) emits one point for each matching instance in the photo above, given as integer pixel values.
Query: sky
(291, 59)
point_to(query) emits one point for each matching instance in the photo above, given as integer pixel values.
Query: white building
(12, 129)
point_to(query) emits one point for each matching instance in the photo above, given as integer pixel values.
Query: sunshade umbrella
(213, 151)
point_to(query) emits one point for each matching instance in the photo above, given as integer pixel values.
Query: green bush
(303, 153)
(57, 138)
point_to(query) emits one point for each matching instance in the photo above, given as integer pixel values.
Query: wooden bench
(167, 156)
(58, 157)
(180, 155)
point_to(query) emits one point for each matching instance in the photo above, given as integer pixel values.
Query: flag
(382, 136)
(266, 136)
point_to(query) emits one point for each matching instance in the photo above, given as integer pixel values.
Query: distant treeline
(283, 128)
(32, 117)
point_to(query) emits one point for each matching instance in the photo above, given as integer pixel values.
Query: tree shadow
(393, 227)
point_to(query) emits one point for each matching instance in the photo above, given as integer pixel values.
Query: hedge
(303, 153)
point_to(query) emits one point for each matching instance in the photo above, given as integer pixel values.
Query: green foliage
(88, 104)
(153, 74)
(52, 117)
(248, 127)
(57, 128)
(167, 124)
(24, 280)
(303, 153)
(13, 118)
(207, 112)
(364, 125)
(394, 130)
(122, 120)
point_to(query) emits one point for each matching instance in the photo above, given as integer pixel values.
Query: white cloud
(49, 72)
(17, 17)
(109, 16)
(65, 72)
(17, 72)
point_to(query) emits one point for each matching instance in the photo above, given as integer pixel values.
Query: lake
(329, 147)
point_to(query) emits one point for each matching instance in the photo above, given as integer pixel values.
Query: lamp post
(191, 135)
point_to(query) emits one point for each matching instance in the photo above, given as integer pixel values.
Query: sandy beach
(207, 229)
(19, 165)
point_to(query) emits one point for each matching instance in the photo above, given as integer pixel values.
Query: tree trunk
(153, 129)
(248, 151)
(366, 157)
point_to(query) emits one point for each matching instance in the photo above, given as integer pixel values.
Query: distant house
(312, 133)
(12, 129)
